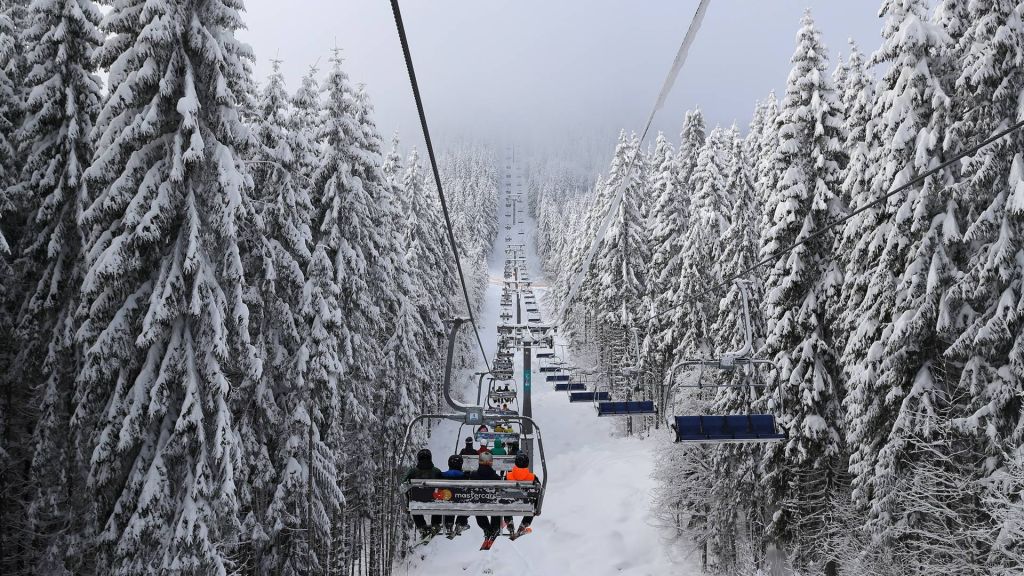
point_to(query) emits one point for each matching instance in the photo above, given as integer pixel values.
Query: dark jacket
(468, 451)
(423, 473)
(485, 473)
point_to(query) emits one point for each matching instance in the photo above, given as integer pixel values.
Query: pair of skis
(512, 535)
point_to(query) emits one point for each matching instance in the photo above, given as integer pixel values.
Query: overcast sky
(542, 69)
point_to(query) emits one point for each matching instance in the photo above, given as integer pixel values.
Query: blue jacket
(452, 474)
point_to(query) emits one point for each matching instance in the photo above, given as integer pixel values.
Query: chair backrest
(642, 406)
(739, 425)
(688, 426)
(714, 426)
(762, 424)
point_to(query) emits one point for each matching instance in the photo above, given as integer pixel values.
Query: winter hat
(469, 440)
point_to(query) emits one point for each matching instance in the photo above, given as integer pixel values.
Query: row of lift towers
(503, 409)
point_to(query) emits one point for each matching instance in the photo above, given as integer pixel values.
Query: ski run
(790, 345)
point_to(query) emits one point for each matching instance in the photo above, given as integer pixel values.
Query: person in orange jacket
(520, 472)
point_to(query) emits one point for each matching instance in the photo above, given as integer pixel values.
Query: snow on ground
(597, 516)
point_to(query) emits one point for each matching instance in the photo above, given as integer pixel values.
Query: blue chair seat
(550, 369)
(733, 428)
(632, 408)
(588, 397)
(558, 378)
(570, 387)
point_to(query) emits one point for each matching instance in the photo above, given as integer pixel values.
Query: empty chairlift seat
(558, 378)
(545, 354)
(736, 428)
(570, 387)
(630, 408)
(589, 397)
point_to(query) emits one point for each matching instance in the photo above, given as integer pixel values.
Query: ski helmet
(522, 460)
(424, 456)
(455, 462)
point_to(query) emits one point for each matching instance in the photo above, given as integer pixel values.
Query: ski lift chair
(727, 428)
(608, 407)
(451, 497)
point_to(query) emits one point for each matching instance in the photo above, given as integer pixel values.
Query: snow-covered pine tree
(735, 502)
(351, 198)
(409, 358)
(429, 258)
(399, 333)
(273, 418)
(668, 224)
(577, 251)
(708, 220)
(752, 143)
(620, 264)
(990, 343)
(323, 372)
(987, 339)
(664, 227)
(691, 322)
(691, 143)
(903, 266)
(10, 107)
(764, 161)
(802, 473)
(857, 101)
(304, 125)
(14, 398)
(64, 97)
(165, 333)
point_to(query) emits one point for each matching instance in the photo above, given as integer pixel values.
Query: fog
(546, 71)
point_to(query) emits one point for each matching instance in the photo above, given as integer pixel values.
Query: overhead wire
(437, 175)
(620, 190)
(821, 231)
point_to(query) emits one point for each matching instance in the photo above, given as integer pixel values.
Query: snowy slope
(597, 512)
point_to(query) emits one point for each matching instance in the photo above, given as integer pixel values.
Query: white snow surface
(597, 517)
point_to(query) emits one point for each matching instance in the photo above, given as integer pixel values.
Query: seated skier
(499, 448)
(468, 450)
(425, 470)
(491, 525)
(455, 525)
(520, 472)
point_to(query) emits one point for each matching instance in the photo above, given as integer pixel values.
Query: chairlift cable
(818, 233)
(437, 175)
